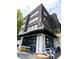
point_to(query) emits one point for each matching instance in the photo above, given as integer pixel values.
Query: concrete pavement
(25, 55)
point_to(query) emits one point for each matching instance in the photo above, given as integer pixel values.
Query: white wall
(40, 44)
(56, 42)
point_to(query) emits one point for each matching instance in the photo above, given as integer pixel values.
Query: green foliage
(19, 20)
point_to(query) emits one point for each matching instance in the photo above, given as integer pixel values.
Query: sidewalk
(25, 55)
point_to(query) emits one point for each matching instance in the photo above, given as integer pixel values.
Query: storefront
(38, 43)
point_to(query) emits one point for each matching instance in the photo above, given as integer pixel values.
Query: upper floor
(39, 18)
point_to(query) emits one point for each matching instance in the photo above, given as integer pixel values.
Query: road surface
(24, 55)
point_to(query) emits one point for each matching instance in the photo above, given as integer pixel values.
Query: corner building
(37, 32)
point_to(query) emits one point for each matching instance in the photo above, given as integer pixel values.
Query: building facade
(37, 31)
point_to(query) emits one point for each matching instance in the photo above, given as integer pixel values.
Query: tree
(19, 20)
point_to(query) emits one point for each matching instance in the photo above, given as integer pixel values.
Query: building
(38, 30)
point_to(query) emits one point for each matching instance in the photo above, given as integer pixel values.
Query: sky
(52, 6)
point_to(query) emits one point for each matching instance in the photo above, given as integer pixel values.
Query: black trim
(44, 31)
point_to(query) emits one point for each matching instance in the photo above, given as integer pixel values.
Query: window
(33, 20)
(34, 14)
(44, 18)
(28, 29)
(30, 42)
(46, 22)
(35, 27)
(49, 42)
(32, 28)
(45, 14)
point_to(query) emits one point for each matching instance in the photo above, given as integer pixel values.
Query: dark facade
(40, 19)
(36, 22)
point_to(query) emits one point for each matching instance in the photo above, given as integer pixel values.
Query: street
(24, 55)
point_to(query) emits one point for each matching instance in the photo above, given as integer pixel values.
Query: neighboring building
(38, 30)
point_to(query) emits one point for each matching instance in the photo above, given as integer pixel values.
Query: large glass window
(45, 20)
(33, 20)
(28, 29)
(30, 42)
(32, 28)
(49, 42)
(34, 14)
